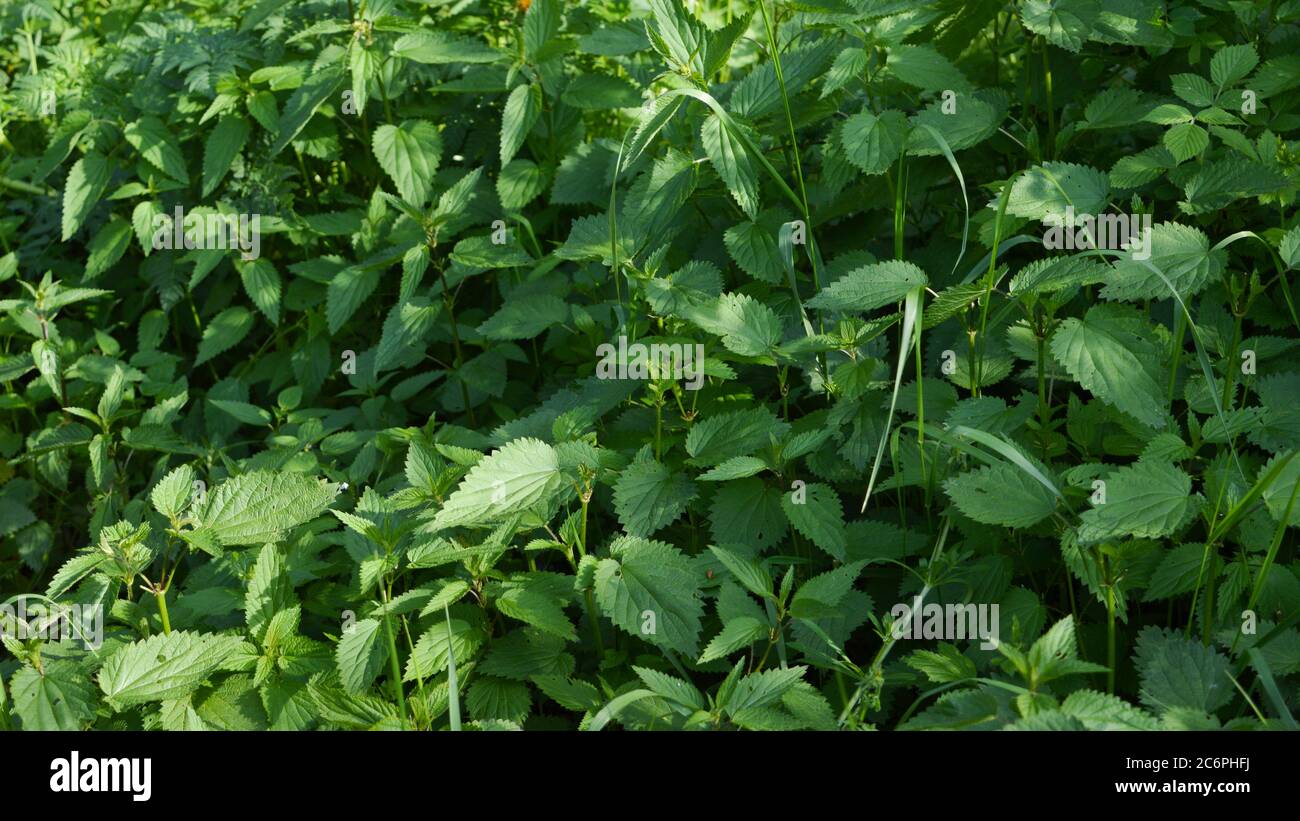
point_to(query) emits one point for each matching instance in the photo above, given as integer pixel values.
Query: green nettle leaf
(977, 121)
(1217, 184)
(541, 25)
(748, 511)
(158, 146)
(600, 92)
(525, 318)
(172, 494)
(269, 591)
(1289, 248)
(311, 95)
(850, 64)
(925, 68)
(870, 287)
(1001, 495)
(649, 496)
(164, 666)
(750, 573)
(755, 246)
(1179, 571)
(363, 65)
(738, 633)
(262, 284)
(1186, 140)
(815, 511)
(1116, 108)
(820, 596)
(260, 507)
(1180, 252)
(226, 330)
(1144, 500)
(361, 654)
(650, 590)
(1047, 190)
(718, 438)
(224, 144)
(86, 183)
(409, 153)
(404, 329)
(523, 108)
(1278, 495)
(108, 246)
(444, 641)
(946, 665)
(737, 467)
(532, 600)
(677, 34)
(1177, 672)
(1114, 360)
(520, 476)
(1100, 711)
(872, 142)
(58, 697)
(1169, 114)
(521, 182)
(482, 252)
(748, 327)
(442, 48)
(1232, 63)
(347, 290)
(1065, 23)
(729, 157)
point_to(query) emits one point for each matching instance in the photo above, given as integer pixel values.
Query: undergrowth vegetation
(762, 364)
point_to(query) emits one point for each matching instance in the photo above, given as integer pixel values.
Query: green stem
(659, 427)
(419, 678)
(1051, 109)
(395, 669)
(595, 622)
(1230, 377)
(1176, 354)
(1044, 412)
(1110, 630)
(588, 599)
(794, 141)
(1207, 614)
(813, 253)
(24, 187)
(455, 342)
(161, 597)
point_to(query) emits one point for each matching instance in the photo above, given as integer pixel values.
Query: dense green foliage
(371, 469)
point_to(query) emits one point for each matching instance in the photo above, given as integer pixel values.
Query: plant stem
(1176, 353)
(1110, 621)
(588, 599)
(1051, 109)
(395, 669)
(659, 427)
(161, 597)
(455, 342)
(1044, 412)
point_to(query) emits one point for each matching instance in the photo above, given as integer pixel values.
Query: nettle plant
(479, 365)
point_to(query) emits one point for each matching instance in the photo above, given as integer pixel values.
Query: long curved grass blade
(1206, 368)
(956, 169)
(1009, 453)
(453, 692)
(1277, 263)
(910, 337)
(617, 705)
(1271, 690)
